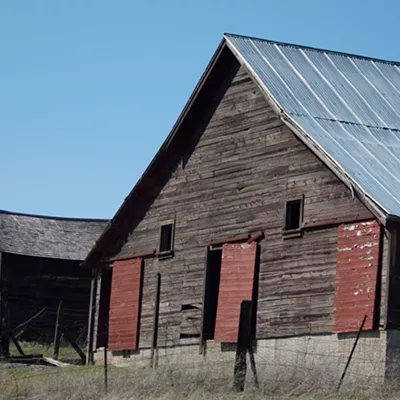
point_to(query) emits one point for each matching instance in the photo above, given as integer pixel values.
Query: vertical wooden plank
(392, 285)
(4, 315)
(17, 345)
(106, 361)
(73, 343)
(57, 331)
(243, 344)
(93, 305)
(202, 346)
(1, 305)
(153, 363)
(5, 324)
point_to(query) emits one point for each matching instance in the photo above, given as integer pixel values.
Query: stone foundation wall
(306, 357)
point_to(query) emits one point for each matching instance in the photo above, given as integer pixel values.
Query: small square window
(293, 216)
(166, 239)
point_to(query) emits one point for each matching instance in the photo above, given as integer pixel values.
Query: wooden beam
(22, 328)
(256, 236)
(240, 238)
(73, 343)
(338, 221)
(91, 320)
(140, 254)
(57, 331)
(202, 348)
(17, 345)
(154, 362)
(1, 304)
(5, 329)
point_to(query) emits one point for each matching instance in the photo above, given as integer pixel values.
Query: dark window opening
(186, 307)
(166, 238)
(293, 215)
(189, 335)
(213, 274)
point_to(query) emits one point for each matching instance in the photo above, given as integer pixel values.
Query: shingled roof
(345, 108)
(53, 237)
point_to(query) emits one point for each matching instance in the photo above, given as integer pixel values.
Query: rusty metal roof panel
(348, 105)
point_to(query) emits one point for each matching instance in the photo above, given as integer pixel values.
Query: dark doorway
(104, 306)
(213, 273)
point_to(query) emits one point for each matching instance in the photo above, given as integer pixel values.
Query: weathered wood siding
(236, 179)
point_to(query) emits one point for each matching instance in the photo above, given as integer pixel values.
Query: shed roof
(53, 237)
(348, 105)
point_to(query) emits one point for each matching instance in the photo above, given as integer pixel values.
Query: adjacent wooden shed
(40, 261)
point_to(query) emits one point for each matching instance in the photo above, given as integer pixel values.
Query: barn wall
(236, 179)
(32, 283)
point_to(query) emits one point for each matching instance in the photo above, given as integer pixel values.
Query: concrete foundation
(306, 357)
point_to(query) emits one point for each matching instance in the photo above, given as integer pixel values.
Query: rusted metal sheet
(124, 305)
(356, 275)
(236, 285)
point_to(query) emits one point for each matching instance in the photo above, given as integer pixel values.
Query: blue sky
(89, 89)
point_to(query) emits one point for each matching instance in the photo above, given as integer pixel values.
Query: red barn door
(125, 305)
(356, 275)
(236, 285)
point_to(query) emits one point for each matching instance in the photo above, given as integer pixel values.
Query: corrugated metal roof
(348, 105)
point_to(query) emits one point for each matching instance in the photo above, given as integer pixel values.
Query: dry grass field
(87, 383)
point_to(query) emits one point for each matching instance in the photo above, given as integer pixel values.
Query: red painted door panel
(236, 285)
(356, 275)
(124, 305)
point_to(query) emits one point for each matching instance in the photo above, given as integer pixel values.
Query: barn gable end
(233, 180)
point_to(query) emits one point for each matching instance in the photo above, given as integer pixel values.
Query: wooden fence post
(106, 361)
(2, 333)
(243, 344)
(5, 329)
(57, 331)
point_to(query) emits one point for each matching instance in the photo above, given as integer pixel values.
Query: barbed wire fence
(302, 364)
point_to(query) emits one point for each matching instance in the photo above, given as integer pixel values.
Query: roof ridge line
(6, 212)
(227, 35)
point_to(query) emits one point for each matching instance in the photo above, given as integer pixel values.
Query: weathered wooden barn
(40, 261)
(279, 183)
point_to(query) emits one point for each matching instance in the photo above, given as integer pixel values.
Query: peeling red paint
(236, 285)
(124, 305)
(356, 275)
